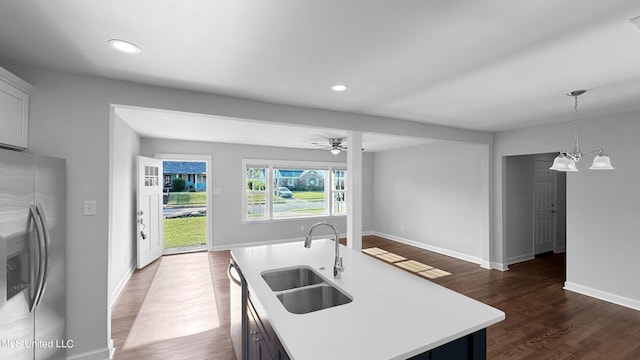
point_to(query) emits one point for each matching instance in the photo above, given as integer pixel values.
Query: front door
(544, 208)
(149, 213)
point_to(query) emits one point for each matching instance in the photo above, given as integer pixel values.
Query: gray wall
(434, 196)
(518, 192)
(122, 210)
(518, 198)
(227, 172)
(602, 206)
(70, 118)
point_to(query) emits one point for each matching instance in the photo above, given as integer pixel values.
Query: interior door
(544, 209)
(149, 213)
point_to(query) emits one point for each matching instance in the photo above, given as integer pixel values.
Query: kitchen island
(392, 315)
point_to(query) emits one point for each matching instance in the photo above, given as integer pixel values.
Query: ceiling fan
(335, 145)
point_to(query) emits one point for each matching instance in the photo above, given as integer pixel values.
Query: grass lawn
(184, 232)
(256, 198)
(187, 199)
(309, 195)
(259, 198)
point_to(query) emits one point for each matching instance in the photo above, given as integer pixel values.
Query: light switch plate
(89, 208)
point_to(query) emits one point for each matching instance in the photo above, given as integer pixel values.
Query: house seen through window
(293, 190)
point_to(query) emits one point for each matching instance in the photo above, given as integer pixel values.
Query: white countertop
(393, 315)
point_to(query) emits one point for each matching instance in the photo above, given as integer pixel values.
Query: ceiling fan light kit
(567, 161)
(336, 146)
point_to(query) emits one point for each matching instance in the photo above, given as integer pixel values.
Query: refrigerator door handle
(38, 278)
(46, 240)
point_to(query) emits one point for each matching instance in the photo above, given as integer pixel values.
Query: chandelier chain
(577, 154)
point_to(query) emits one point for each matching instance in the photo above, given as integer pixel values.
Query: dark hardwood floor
(543, 321)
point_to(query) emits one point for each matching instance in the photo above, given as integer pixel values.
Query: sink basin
(292, 278)
(313, 298)
(302, 290)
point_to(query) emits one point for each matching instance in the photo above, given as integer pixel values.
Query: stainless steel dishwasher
(238, 304)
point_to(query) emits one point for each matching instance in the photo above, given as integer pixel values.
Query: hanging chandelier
(567, 161)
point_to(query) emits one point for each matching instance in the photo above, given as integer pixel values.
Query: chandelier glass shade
(601, 162)
(563, 163)
(567, 161)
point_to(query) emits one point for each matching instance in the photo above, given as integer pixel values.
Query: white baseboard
(279, 241)
(489, 265)
(521, 258)
(112, 349)
(499, 266)
(602, 295)
(121, 284)
(454, 254)
(257, 243)
(100, 354)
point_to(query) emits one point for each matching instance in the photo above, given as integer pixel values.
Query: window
(338, 192)
(151, 177)
(293, 189)
(256, 193)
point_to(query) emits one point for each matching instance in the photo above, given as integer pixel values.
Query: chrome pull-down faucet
(337, 261)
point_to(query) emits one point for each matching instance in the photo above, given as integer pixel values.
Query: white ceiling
(487, 65)
(164, 124)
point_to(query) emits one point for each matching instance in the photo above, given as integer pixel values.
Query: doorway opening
(535, 210)
(186, 203)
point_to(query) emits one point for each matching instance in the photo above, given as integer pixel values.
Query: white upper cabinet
(14, 110)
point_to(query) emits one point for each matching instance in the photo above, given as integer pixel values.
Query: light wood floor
(543, 321)
(214, 344)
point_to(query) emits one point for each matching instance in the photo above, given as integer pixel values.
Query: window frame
(269, 165)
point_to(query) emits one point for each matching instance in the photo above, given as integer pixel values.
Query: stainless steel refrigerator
(32, 257)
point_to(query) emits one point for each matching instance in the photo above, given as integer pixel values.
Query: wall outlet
(301, 227)
(401, 227)
(89, 208)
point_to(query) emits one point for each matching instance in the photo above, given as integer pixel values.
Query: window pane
(298, 192)
(338, 192)
(256, 193)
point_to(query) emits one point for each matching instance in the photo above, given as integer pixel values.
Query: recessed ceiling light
(339, 87)
(124, 46)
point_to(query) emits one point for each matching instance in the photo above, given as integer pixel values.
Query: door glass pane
(151, 176)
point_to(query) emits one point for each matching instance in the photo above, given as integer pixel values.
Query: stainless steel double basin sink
(302, 290)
